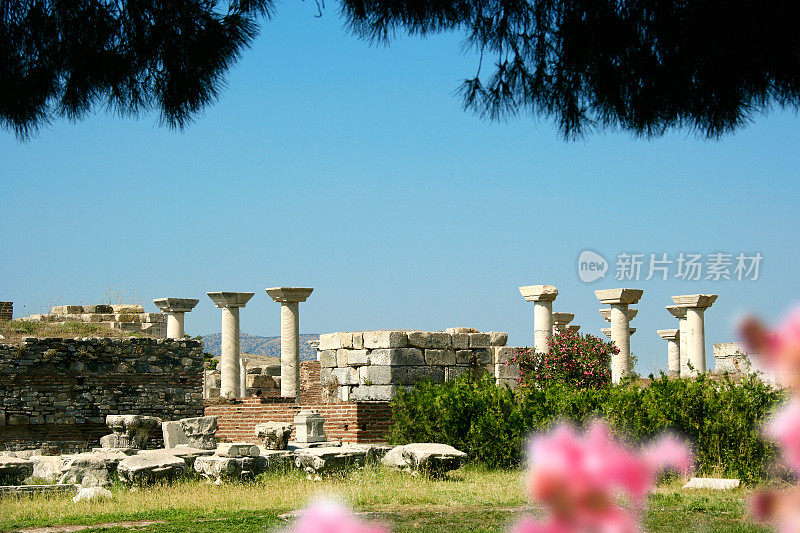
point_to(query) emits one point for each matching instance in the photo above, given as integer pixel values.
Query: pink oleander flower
(784, 428)
(779, 349)
(329, 517)
(579, 476)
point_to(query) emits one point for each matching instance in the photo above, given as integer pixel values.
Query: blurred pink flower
(578, 476)
(779, 349)
(784, 428)
(329, 517)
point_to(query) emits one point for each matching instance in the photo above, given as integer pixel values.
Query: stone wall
(59, 391)
(6, 310)
(125, 317)
(371, 365)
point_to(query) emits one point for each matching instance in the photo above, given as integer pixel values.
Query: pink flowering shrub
(582, 361)
(329, 517)
(779, 349)
(579, 478)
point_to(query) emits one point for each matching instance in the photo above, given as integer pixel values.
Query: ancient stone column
(607, 331)
(672, 337)
(619, 300)
(695, 305)
(243, 377)
(175, 309)
(290, 298)
(230, 302)
(679, 312)
(542, 297)
(560, 321)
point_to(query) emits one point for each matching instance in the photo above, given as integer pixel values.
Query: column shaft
(673, 358)
(290, 349)
(620, 336)
(175, 325)
(542, 325)
(230, 353)
(242, 378)
(697, 339)
(684, 347)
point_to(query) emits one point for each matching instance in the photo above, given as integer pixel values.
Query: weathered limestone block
(379, 375)
(375, 452)
(357, 357)
(479, 340)
(430, 339)
(90, 469)
(460, 340)
(385, 339)
(440, 357)
(479, 356)
(506, 371)
(186, 453)
(237, 449)
(219, 469)
(309, 426)
(345, 375)
(329, 458)
(274, 435)
(98, 309)
(455, 372)
(261, 381)
(13, 470)
(147, 468)
(710, 483)
(498, 338)
(452, 331)
(173, 434)
(327, 358)
(413, 374)
(127, 308)
(341, 356)
(130, 431)
(66, 309)
(47, 467)
(200, 431)
(358, 340)
(369, 393)
(503, 353)
(397, 356)
(429, 458)
(90, 494)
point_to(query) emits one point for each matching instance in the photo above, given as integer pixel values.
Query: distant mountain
(259, 345)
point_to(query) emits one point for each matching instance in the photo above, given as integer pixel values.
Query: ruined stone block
(479, 340)
(97, 309)
(200, 431)
(173, 434)
(503, 353)
(411, 375)
(440, 357)
(237, 449)
(504, 371)
(460, 341)
(66, 309)
(274, 435)
(127, 308)
(430, 339)
(329, 341)
(498, 338)
(397, 356)
(385, 339)
(358, 340)
(327, 358)
(309, 426)
(357, 357)
(341, 357)
(345, 375)
(367, 393)
(379, 375)
(454, 372)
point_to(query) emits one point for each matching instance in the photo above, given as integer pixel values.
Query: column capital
(619, 296)
(701, 301)
(678, 311)
(230, 299)
(536, 293)
(289, 294)
(562, 319)
(605, 312)
(572, 327)
(176, 305)
(669, 334)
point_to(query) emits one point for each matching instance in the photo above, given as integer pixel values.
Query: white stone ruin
(130, 432)
(695, 305)
(230, 302)
(290, 298)
(672, 336)
(175, 309)
(561, 320)
(619, 300)
(542, 297)
(309, 426)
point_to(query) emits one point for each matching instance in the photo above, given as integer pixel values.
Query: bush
(721, 419)
(575, 359)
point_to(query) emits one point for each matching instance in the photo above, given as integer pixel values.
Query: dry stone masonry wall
(371, 365)
(60, 391)
(6, 310)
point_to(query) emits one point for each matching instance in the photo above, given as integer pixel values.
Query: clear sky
(353, 169)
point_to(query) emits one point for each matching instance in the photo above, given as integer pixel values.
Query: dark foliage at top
(644, 66)
(64, 57)
(641, 65)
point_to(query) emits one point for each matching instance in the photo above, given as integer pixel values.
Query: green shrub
(721, 419)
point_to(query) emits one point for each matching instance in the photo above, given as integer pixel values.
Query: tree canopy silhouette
(643, 66)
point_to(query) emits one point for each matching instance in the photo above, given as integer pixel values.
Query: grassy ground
(472, 500)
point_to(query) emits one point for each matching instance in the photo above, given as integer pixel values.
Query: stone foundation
(126, 317)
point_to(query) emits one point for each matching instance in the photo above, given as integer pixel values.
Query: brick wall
(59, 391)
(6, 310)
(349, 422)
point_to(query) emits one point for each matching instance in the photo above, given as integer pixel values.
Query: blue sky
(353, 169)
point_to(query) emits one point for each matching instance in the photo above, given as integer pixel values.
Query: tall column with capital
(672, 337)
(542, 297)
(619, 300)
(695, 305)
(290, 298)
(175, 309)
(230, 302)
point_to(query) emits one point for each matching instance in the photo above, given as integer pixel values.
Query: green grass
(471, 500)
